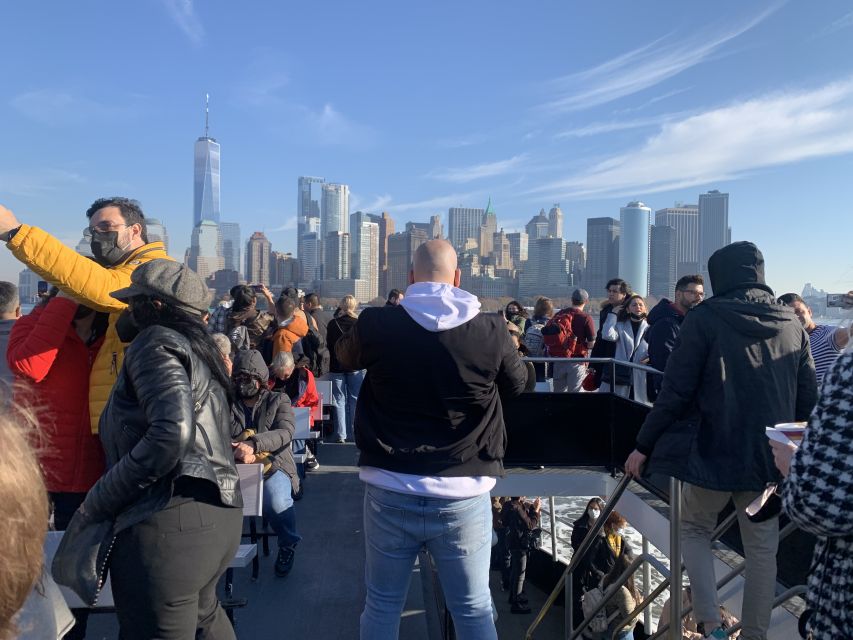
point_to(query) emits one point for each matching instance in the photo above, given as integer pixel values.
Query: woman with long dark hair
(172, 489)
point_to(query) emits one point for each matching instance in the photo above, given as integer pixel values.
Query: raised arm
(35, 340)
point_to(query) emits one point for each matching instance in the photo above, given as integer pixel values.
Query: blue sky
(422, 106)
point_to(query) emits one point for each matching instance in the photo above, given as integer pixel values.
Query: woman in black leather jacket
(172, 488)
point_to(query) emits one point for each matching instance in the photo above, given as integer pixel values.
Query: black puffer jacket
(742, 363)
(166, 418)
(272, 418)
(664, 325)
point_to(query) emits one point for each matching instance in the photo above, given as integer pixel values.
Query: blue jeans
(278, 508)
(458, 536)
(345, 388)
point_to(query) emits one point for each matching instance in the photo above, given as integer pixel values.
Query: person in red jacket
(52, 350)
(298, 383)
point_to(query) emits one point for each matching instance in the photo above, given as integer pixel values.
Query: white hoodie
(438, 306)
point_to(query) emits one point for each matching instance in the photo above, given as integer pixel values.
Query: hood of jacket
(661, 310)
(739, 265)
(252, 362)
(438, 306)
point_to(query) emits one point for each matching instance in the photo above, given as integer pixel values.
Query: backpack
(533, 339)
(559, 337)
(589, 601)
(315, 350)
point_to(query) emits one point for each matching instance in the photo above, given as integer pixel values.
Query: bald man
(431, 433)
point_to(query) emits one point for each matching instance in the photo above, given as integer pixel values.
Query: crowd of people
(146, 400)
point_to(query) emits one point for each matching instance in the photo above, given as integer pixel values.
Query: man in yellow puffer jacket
(119, 244)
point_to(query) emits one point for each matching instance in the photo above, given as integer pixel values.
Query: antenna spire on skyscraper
(206, 114)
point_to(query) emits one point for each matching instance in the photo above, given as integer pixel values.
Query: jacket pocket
(206, 439)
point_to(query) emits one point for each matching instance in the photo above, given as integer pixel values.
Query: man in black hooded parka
(741, 364)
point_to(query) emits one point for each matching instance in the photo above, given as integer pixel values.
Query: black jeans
(164, 572)
(517, 573)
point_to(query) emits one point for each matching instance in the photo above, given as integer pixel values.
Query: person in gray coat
(262, 426)
(741, 363)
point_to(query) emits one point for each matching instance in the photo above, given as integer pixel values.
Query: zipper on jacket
(114, 364)
(206, 439)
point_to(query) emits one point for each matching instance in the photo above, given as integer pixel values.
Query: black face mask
(248, 389)
(126, 327)
(637, 316)
(105, 249)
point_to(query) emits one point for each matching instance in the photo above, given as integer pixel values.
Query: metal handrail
(731, 575)
(597, 526)
(621, 363)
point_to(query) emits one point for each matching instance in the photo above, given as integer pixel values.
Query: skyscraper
(229, 233)
(334, 211)
(204, 255)
(310, 265)
(206, 175)
(602, 254)
(436, 230)
(336, 265)
(364, 241)
(538, 227)
(157, 232)
(634, 222)
(546, 272)
(714, 230)
(488, 229)
(518, 248)
(401, 252)
(284, 270)
(258, 259)
(663, 272)
(306, 207)
(464, 224)
(555, 222)
(502, 251)
(685, 220)
(576, 255)
(386, 228)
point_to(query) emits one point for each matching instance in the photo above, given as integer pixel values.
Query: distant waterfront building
(576, 255)
(714, 231)
(663, 272)
(501, 251)
(310, 265)
(223, 281)
(386, 228)
(334, 211)
(206, 176)
(555, 222)
(401, 252)
(306, 207)
(488, 229)
(156, 232)
(258, 250)
(284, 270)
(364, 241)
(337, 289)
(685, 220)
(464, 225)
(546, 272)
(28, 281)
(538, 227)
(204, 256)
(436, 231)
(602, 254)
(336, 251)
(229, 233)
(518, 247)
(634, 222)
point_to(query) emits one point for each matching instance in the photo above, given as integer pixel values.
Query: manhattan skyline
(591, 107)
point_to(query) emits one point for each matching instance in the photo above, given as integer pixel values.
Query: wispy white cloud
(655, 100)
(642, 68)
(377, 204)
(478, 171)
(725, 143)
(182, 13)
(844, 22)
(38, 182)
(290, 224)
(462, 141)
(330, 127)
(58, 108)
(437, 203)
(597, 128)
